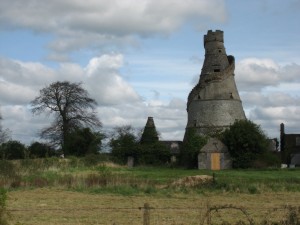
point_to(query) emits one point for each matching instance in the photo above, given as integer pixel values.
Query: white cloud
(269, 99)
(270, 93)
(270, 118)
(21, 81)
(106, 61)
(255, 74)
(76, 24)
(118, 102)
(105, 82)
(113, 17)
(170, 120)
(15, 94)
(25, 73)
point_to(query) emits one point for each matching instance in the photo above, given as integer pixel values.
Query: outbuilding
(214, 156)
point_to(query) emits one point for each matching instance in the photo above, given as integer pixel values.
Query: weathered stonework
(214, 103)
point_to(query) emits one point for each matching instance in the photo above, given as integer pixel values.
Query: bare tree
(71, 106)
(4, 134)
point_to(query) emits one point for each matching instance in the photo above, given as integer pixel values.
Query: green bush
(12, 150)
(153, 154)
(123, 144)
(191, 146)
(267, 159)
(83, 141)
(40, 150)
(246, 143)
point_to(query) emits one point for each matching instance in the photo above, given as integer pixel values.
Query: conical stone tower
(214, 103)
(150, 134)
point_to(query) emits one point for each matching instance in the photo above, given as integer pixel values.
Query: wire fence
(148, 215)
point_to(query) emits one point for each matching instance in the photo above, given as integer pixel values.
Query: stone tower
(149, 135)
(214, 103)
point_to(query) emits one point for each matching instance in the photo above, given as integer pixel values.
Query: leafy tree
(83, 141)
(246, 143)
(154, 153)
(12, 150)
(124, 143)
(40, 150)
(72, 109)
(192, 144)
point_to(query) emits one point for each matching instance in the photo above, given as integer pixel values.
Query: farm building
(290, 148)
(214, 156)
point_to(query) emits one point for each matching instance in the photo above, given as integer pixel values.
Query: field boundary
(206, 215)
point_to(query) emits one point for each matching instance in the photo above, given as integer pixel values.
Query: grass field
(56, 206)
(53, 191)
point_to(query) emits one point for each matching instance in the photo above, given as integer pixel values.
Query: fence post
(208, 214)
(146, 215)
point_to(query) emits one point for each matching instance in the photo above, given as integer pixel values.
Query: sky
(142, 58)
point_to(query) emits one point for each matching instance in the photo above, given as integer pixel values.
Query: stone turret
(214, 103)
(150, 134)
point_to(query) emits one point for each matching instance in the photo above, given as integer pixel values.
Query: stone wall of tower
(215, 53)
(214, 103)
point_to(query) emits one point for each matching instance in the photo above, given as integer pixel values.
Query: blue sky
(142, 58)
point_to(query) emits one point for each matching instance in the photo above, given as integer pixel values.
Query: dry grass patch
(55, 206)
(192, 181)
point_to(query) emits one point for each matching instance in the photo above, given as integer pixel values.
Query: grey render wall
(214, 145)
(204, 161)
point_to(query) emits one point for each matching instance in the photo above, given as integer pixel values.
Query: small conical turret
(150, 134)
(214, 103)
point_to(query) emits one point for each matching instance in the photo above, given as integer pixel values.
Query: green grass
(76, 174)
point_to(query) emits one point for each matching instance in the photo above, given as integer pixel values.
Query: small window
(174, 145)
(220, 50)
(216, 70)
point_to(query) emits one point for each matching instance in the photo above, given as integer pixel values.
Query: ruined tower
(214, 103)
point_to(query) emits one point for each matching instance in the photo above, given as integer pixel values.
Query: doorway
(215, 161)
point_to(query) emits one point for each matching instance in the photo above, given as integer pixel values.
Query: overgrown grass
(92, 174)
(3, 213)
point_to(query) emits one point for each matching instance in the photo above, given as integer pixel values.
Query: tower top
(214, 36)
(150, 122)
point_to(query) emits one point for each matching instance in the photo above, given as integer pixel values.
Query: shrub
(267, 159)
(153, 154)
(191, 146)
(246, 142)
(13, 150)
(40, 150)
(123, 144)
(83, 141)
